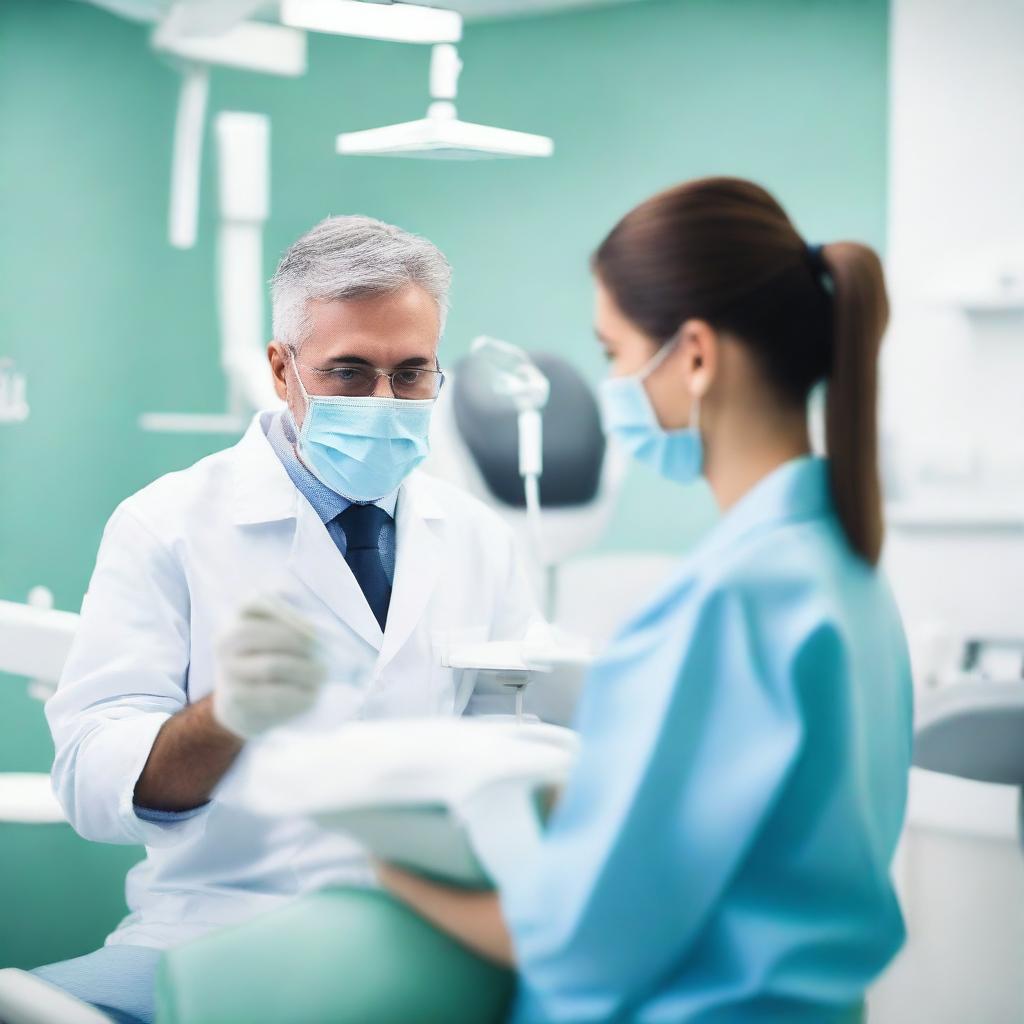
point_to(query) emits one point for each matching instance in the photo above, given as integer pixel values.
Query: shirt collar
(326, 503)
(798, 489)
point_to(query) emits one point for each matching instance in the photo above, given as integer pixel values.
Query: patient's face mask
(628, 415)
(363, 448)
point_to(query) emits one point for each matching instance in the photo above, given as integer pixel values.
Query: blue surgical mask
(628, 416)
(363, 448)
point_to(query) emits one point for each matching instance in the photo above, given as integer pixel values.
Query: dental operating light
(198, 36)
(441, 135)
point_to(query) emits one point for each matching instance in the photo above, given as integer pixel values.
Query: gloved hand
(269, 669)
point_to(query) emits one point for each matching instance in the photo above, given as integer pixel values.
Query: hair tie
(820, 267)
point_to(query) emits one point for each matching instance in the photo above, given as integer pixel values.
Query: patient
(723, 849)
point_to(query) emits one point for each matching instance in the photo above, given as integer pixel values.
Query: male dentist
(225, 596)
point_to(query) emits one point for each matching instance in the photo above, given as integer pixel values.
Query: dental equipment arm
(514, 664)
(243, 169)
(34, 641)
(199, 35)
(187, 155)
(516, 376)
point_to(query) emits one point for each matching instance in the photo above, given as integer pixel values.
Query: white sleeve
(125, 676)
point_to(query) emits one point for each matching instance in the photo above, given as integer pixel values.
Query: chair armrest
(26, 999)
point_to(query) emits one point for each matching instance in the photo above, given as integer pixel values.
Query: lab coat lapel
(263, 492)
(319, 564)
(418, 565)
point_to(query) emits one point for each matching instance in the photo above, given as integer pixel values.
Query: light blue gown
(722, 852)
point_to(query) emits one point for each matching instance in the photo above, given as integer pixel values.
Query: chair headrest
(574, 444)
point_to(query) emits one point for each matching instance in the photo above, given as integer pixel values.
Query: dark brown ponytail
(723, 250)
(861, 312)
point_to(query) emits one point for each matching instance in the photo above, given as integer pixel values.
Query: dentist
(226, 596)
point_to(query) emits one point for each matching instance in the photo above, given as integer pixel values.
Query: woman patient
(722, 851)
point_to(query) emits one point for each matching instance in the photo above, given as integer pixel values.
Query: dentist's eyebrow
(412, 361)
(350, 360)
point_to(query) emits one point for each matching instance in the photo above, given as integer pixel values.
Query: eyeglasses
(408, 382)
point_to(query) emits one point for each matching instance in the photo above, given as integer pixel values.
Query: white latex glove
(269, 668)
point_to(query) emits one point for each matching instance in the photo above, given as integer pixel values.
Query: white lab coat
(176, 561)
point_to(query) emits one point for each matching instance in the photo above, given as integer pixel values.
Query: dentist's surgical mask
(363, 448)
(628, 416)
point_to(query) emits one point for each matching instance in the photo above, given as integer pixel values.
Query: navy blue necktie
(363, 525)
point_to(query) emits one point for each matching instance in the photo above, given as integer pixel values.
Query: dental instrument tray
(539, 652)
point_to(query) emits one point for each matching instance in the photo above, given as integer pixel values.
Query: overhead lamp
(441, 135)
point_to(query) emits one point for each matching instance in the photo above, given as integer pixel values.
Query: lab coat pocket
(454, 685)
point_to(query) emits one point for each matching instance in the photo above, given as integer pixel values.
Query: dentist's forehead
(386, 328)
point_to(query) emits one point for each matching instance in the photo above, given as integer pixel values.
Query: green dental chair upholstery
(343, 956)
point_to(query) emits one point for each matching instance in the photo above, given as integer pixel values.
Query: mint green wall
(109, 321)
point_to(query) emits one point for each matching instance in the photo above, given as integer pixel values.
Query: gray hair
(348, 258)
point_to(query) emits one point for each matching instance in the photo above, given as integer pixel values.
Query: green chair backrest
(344, 956)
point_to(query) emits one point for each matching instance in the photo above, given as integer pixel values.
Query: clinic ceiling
(471, 10)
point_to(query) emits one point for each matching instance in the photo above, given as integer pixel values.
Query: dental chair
(350, 956)
(973, 727)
